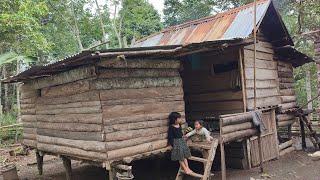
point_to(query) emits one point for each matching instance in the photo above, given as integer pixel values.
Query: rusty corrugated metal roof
(236, 23)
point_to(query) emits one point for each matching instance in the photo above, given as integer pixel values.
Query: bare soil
(296, 165)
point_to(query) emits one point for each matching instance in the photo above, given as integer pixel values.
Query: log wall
(267, 88)
(107, 112)
(207, 93)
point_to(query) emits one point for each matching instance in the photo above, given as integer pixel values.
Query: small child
(180, 151)
(200, 130)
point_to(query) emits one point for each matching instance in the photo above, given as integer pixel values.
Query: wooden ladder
(211, 152)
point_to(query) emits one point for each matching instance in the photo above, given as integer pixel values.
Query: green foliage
(176, 12)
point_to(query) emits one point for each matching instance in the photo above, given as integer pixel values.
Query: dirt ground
(296, 165)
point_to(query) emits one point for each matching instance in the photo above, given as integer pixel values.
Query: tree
(177, 12)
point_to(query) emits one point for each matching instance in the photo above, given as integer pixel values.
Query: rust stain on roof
(235, 23)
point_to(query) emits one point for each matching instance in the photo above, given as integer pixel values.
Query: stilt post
(67, 166)
(39, 157)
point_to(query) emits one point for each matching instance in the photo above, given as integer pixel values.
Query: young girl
(200, 130)
(180, 151)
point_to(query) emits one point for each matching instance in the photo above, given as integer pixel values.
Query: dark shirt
(174, 133)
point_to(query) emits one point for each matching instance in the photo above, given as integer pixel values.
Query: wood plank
(285, 74)
(138, 125)
(156, 92)
(261, 64)
(76, 110)
(263, 84)
(136, 83)
(139, 63)
(217, 106)
(126, 73)
(66, 89)
(263, 74)
(137, 118)
(142, 101)
(261, 93)
(65, 77)
(214, 96)
(85, 136)
(78, 127)
(83, 97)
(28, 118)
(261, 47)
(71, 118)
(129, 110)
(287, 99)
(260, 55)
(287, 92)
(286, 85)
(68, 105)
(264, 102)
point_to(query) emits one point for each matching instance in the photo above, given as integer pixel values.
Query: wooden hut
(112, 106)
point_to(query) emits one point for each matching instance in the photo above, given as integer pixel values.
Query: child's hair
(173, 117)
(200, 122)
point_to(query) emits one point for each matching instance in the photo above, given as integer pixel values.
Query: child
(180, 151)
(200, 130)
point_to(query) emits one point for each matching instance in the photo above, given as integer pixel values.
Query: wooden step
(200, 145)
(198, 159)
(193, 174)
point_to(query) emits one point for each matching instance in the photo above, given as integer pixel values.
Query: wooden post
(244, 96)
(67, 166)
(303, 134)
(223, 161)
(260, 153)
(39, 158)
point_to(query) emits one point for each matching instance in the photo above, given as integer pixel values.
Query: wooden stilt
(223, 162)
(39, 157)
(67, 166)
(290, 131)
(260, 153)
(112, 173)
(303, 134)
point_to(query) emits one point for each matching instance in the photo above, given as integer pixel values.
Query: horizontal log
(286, 123)
(28, 100)
(260, 48)
(262, 93)
(29, 124)
(30, 130)
(288, 99)
(285, 117)
(239, 135)
(262, 75)
(78, 127)
(28, 111)
(142, 148)
(142, 73)
(261, 64)
(139, 125)
(71, 118)
(30, 93)
(214, 96)
(285, 69)
(284, 64)
(285, 145)
(69, 151)
(82, 97)
(264, 102)
(95, 146)
(285, 74)
(26, 87)
(236, 127)
(85, 136)
(259, 55)
(286, 85)
(65, 77)
(155, 92)
(66, 89)
(137, 118)
(142, 100)
(30, 136)
(68, 105)
(130, 110)
(79, 110)
(140, 63)
(136, 83)
(29, 143)
(236, 119)
(133, 142)
(287, 92)
(28, 118)
(286, 80)
(126, 135)
(286, 151)
(262, 84)
(288, 105)
(27, 106)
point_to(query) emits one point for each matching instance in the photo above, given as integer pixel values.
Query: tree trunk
(101, 24)
(6, 90)
(76, 28)
(18, 94)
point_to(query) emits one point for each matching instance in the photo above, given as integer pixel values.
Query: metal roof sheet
(236, 23)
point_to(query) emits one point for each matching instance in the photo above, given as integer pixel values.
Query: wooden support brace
(303, 134)
(39, 157)
(223, 161)
(67, 166)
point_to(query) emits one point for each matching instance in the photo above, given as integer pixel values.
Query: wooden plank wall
(137, 96)
(266, 74)
(105, 112)
(288, 98)
(208, 94)
(28, 114)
